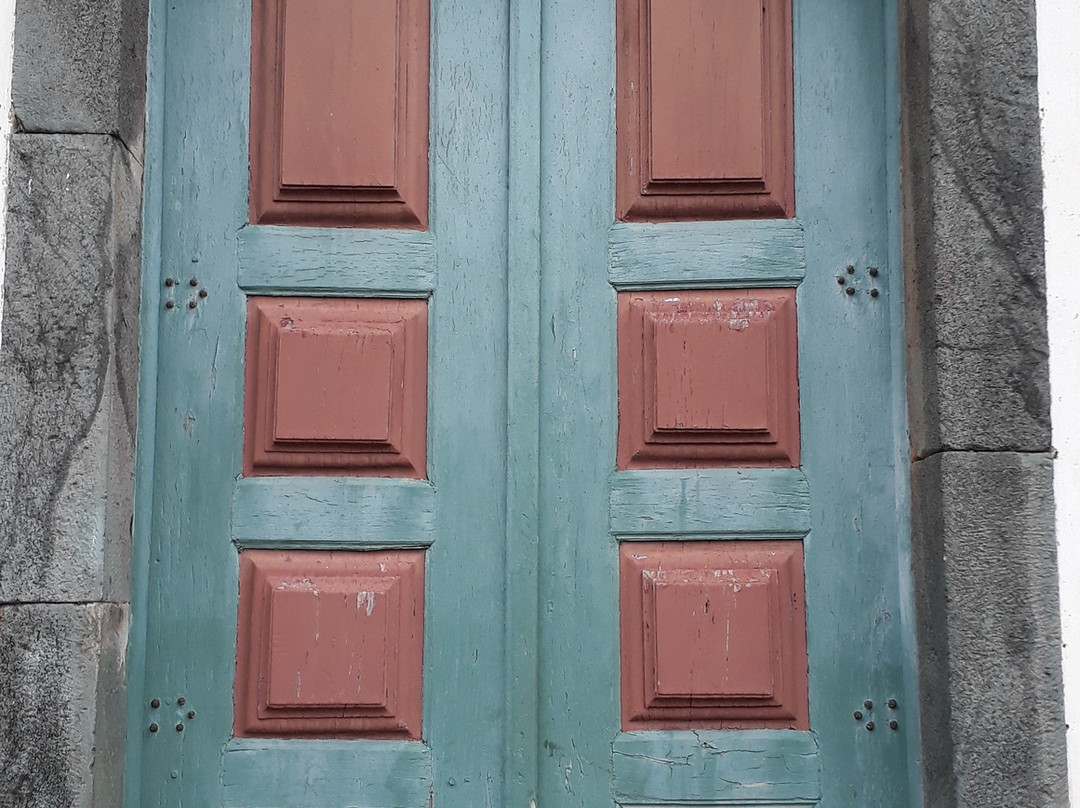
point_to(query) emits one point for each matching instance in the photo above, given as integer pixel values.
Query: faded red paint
(336, 386)
(713, 635)
(339, 112)
(708, 379)
(705, 125)
(330, 644)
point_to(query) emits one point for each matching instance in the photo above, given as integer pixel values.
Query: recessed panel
(330, 644)
(705, 126)
(339, 113)
(710, 634)
(708, 379)
(336, 386)
(713, 635)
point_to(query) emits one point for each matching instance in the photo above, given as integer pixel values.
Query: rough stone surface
(49, 674)
(992, 720)
(974, 235)
(80, 67)
(68, 370)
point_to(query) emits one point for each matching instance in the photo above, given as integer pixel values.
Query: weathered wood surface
(710, 503)
(706, 255)
(333, 512)
(373, 263)
(325, 774)
(761, 767)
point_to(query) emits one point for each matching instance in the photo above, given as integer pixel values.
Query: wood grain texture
(710, 503)
(706, 255)
(330, 644)
(760, 767)
(333, 513)
(713, 635)
(335, 386)
(188, 578)
(324, 774)
(367, 263)
(705, 110)
(708, 379)
(339, 113)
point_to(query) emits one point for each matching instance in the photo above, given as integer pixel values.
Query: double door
(521, 418)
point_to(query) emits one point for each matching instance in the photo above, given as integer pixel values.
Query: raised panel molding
(339, 113)
(330, 644)
(708, 379)
(336, 386)
(705, 121)
(713, 635)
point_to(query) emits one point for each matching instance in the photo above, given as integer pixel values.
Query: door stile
(523, 407)
(147, 405)
(579, 629)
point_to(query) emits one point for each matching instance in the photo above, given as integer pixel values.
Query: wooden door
(546, 450)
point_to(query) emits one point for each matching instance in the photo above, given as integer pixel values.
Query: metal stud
(869, 705)
(190, 714)
(872, 272)
(155, 703)
(858, 715)
(850, 269)
(180, 702)
(874, 293)
(892, 704)
(894, 724)
(869, 726)
(170, 282)
(840, 279)
(169, 304)
(850, 290)
(203, 293)
(153, 727)
(180, 727)
(192, 304)
(194, 281)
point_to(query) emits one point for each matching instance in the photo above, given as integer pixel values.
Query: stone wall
(68, 369)
(983, 519)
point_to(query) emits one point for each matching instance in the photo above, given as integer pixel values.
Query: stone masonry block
(974, 235)
(80, 67)
(985, 571)
(52, 667)
(68, 369)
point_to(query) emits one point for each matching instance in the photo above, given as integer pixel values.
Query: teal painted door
(518, 512)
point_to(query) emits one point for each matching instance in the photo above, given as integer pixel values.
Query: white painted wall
(7, 40)
(1059, 99)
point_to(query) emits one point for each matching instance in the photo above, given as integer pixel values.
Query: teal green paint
(767, 767)
(310, 261)
(579, 633)
(851, 400)
(523, 408)
(704, 504)
(329, 512)
(706, 255)
(147, 403)
(190, 484)
(523, 511)
(325, 774)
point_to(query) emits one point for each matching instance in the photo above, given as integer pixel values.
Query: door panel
(515, 502)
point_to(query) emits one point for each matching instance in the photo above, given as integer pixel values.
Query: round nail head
(155, 703)
(153, 727)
